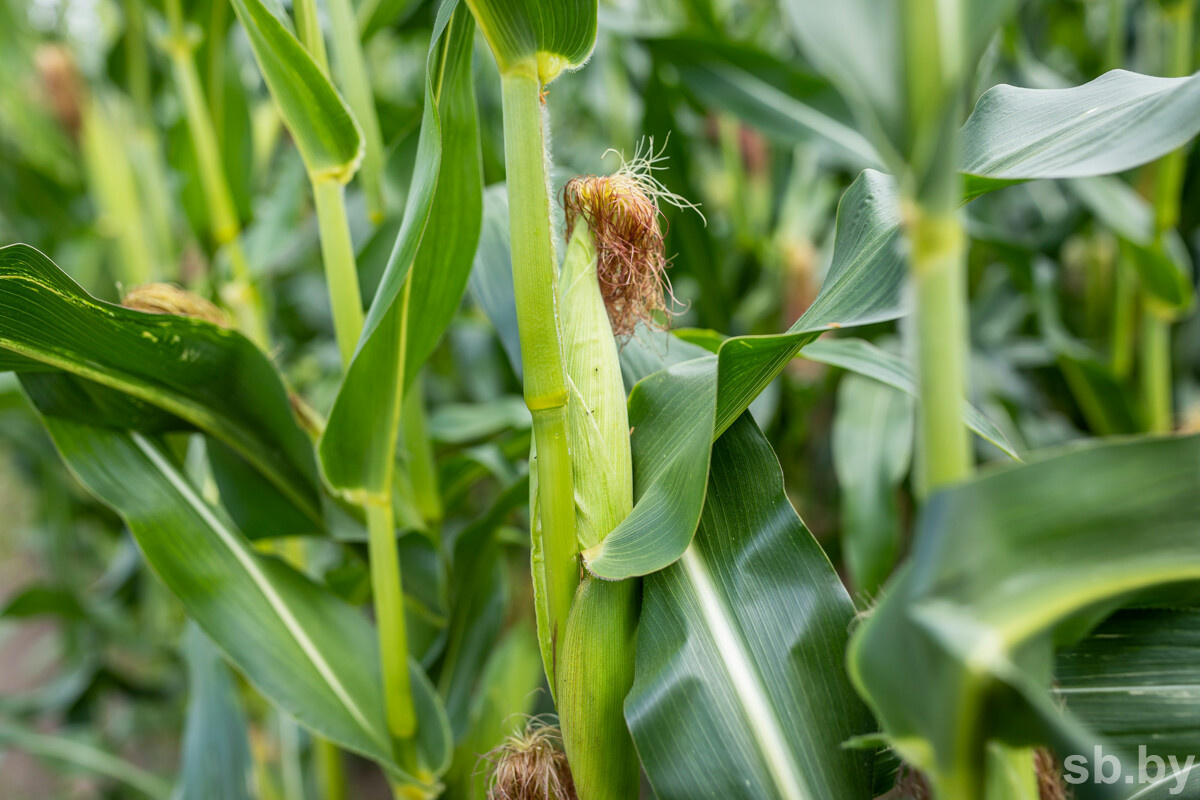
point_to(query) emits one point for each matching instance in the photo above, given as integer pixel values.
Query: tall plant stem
(389, 617)
(936, 242)
(240, 294)
(341, 269)
(1155, 372)
(355, 82)
(535, 284)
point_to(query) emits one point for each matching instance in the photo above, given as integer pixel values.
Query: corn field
(569, 400)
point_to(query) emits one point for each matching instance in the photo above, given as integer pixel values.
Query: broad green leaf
(216, 753)
(862, 357)
(307, 651)
(740, 689)
(786, 105)
(1114, 123)
(1136, 680)
(965, 631)
(691, 404)
(84, 756)
(208, 377)
(326, 133)
(872, 450)
(548, 37)
(426, 274)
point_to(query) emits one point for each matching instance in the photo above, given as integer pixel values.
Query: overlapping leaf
(307, 651)
(426, 274)
(550, 37)
(740, 689)
(326, 133)
(199, 374)
(1000, 562)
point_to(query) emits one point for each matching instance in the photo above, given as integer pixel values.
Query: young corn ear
(596, 670)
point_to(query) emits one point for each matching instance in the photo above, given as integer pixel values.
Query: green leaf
(208, 377)
(965, 631)
(426, 274)
(740, 689)
(872, 451)
(325, 132)
(84, 756)
(792, 107)
(216, 753)
(864, 358)
(694, 400)
(531, 34)
(1136, 680)
(1114, 123)
(307, 651)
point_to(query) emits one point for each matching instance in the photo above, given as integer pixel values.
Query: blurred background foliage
(97, 171)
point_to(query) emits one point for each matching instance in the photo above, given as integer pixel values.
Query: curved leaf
(691, 405)
(1116, 122)
(999, 563)
(550, 37)
(426, 274)
(326, 133)
(206, 376)
(740, 689)
(85, 756)
(304, 649)
(862, 357)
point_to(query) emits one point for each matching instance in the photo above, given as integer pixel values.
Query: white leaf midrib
(246, 560)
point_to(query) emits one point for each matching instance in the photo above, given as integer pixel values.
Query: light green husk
(596, 670)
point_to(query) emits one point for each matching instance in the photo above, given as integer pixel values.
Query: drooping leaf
(1114, 123)
(965, 632)
(216, 753)
(426, 274)
(549, 37)
(690, 404)
(307, 651)
(740, 689)
(326, 133)
(872, 451)
(794, 107)
(1136, 680)
(201, 375)
(862, 357)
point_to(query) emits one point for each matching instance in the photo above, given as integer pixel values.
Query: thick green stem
(535, 285)
(1156, 371)
(308, 27)
(355, 82)
(240, 294)
(1124, 315)
(936, 262)
(341, 269)
(389, 617)
(331, 770)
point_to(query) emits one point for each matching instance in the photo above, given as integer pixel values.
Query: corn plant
(540, 433)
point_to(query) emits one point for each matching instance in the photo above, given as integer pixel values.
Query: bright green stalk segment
(355, 82)
(535, 286)
(308, 28)
(241, 294)
(389, 617)
(1156, 323)
(331, 770)
(341, 269)
(936, 262)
